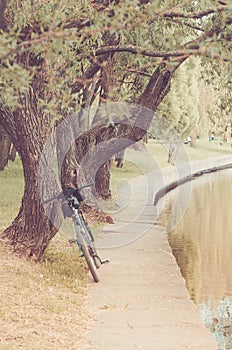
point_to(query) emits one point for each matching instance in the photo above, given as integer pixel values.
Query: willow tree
(181, 106)
(55, 58)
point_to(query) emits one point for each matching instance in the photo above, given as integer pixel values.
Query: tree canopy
(70, 41)
(59, 57)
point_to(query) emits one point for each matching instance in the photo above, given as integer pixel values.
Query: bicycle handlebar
(61, 194)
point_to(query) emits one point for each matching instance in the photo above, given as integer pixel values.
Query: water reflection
(202, 245)
(218, 319)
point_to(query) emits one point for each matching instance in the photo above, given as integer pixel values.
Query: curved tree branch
(172, 186)
(180, 22)
(139, 50)
(194, 15)
(2, 16)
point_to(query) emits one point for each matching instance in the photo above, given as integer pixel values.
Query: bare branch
(138, 72)
(2, 17)
(185, 23)
(193, 15)
(78, 23)
(139, 50)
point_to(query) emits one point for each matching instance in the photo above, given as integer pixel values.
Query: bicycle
(84, 238)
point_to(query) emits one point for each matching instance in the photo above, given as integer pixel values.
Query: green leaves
(50, 44)
(180, 107)
(15, 82)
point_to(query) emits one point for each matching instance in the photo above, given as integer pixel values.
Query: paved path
(141, 301)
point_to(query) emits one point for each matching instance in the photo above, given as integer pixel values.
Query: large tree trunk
(110, 92)
(119, 156)
(32, 229)
(193, 142)
(108, 141)
(102, 180)
(5, 147)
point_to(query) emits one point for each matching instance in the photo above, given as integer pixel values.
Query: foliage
(57, 57)
(67, 35)
(11, 184)
(181, 106)
(220, 115)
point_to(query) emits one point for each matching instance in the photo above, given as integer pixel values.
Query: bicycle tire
(85, 243)
(86, 228)
(90, 262)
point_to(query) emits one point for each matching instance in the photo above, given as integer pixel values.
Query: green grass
(205, 149)
(60, 265)
(42, 300)
(128, 170)
(136, 163)
(11, 186)
(153, 155)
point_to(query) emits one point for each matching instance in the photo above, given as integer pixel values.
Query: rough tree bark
(31, 231)
(5, 148)
(110, 93)
(29, 129)
(193, 142)
(103, 141)
(119, 159)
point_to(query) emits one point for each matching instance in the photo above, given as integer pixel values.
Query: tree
(8, 151)
(54, 56)
(181, 106)
(216, 115)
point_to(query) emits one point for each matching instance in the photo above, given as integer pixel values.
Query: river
(202, 246)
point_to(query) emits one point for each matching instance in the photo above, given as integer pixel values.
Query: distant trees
(220, 99)
(58, 57)
(181, 106)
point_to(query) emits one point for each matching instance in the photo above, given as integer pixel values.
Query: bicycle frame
(84, 236)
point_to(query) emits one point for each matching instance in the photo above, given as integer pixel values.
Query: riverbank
(142, 300)
(44, 304)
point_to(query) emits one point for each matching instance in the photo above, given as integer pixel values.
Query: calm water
(202, 245)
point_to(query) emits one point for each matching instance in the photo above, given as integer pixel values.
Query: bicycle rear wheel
(90, 262)
(85, 242)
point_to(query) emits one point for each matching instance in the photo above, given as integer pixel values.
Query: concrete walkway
(141, 301)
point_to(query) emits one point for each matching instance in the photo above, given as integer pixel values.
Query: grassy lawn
(205, 149)
(11, 185)
(43, 304)
(155, 154)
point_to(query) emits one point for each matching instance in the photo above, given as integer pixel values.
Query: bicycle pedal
(106, 261)
(72, 240)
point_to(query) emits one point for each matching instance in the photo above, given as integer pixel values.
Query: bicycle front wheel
(90, 262)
